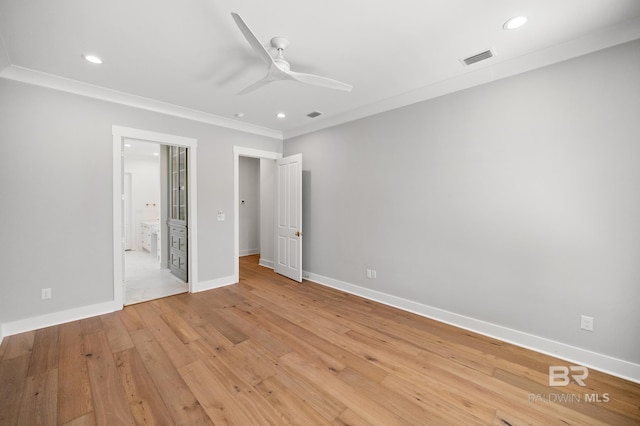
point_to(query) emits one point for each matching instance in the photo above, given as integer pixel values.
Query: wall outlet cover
(586, 323)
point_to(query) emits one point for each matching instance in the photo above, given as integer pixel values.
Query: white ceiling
(190, 59)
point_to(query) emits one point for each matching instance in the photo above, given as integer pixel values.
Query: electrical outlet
(586, 323)
(368, 273)
(374, 274)
(46, 293)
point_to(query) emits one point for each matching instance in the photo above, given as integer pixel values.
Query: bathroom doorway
(147, 259)
(122, 135)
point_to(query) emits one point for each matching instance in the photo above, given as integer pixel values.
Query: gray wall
(516, 202)
(4, 58)
(56, 170)
(249, 215)
(267, 206)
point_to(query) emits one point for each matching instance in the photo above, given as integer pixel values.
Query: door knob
(298, 233)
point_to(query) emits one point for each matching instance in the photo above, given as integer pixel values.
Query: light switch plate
(46, 293)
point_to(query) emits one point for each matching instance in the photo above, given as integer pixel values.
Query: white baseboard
(266, 263)
(211, 284)
(249, 252)
(616, 367)
(61, 317)
(55, 318)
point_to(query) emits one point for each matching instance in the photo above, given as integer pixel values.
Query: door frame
(240, 151)
(119, 134)
(128, 203)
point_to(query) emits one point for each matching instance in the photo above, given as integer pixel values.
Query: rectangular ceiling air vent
(478, 57)
(314, 114)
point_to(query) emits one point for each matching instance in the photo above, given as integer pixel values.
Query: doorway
(250, 208)
(154, 238)
(150, 174)
(287, 206)
(250, 153)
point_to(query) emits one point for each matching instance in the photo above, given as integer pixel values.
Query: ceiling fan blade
(317, 80)
(279, 69)
(255, 86)
(252, 39)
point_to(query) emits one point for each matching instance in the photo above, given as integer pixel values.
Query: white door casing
(288, 217)
(128, 212)
(119, 134)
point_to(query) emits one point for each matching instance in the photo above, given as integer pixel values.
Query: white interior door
(288, 217)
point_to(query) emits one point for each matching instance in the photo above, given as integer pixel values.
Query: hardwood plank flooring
(271, 351)
(74, 388)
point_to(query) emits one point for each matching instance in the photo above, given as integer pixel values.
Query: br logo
(559, 375)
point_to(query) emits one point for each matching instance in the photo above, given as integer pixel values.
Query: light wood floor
(271, 351)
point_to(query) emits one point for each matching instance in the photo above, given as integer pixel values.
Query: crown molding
(608, 37)
(26, 75)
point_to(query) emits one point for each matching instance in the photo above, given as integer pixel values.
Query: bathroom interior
(147, 275)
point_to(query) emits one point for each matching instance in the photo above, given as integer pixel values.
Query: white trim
(216, 283)
(38, 78)
(240, 151)
(616, 367)
(607, 37)
(55, 318)
(118, 217)
(267, 263)
(119, 133)
(249, 252)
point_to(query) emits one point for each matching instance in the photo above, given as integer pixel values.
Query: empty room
(359, 213)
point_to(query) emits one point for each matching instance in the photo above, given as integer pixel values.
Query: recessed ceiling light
(239, 114)
(515, 22)
(156, 153)
(92, 58)
(281, 115)
(127, 145)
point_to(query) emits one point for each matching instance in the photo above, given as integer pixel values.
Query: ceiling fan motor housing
(279, 43)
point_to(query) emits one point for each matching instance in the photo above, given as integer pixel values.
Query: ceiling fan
(278, 67)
